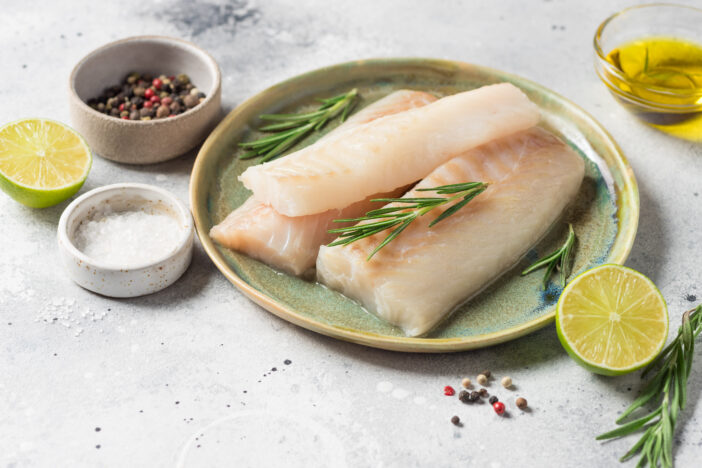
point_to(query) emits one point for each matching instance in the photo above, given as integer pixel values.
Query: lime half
(42, 162)
(612, 320)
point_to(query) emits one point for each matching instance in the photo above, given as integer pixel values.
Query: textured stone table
(195, 375)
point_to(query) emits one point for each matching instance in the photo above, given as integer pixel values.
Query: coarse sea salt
(128, 238)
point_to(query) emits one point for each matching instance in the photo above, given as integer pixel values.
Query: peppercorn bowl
(132, 268)
(150, 140)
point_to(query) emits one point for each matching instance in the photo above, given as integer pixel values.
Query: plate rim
(624, 240)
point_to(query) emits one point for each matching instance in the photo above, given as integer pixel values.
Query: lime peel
(42, 162)
(612, 320)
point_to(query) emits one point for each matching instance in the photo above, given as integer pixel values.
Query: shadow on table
(651, 244)
(195, 279)
(532, 351)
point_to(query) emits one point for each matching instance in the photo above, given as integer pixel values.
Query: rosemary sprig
(561, 259)
(288, 129)
(409, 209)
(670, 386)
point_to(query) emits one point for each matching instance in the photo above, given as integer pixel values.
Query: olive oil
(661, 83)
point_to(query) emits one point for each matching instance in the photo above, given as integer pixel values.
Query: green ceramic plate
(605, 217)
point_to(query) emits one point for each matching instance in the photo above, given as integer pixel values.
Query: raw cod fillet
(291, 244)
(425, 273)
(388, 152)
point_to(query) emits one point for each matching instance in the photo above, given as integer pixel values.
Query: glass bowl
(673, 110)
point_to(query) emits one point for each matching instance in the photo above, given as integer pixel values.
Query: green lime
(42, 162)
(612, 320)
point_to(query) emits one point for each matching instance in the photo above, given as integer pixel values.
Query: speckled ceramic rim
(184, 217)
(618, 254)
(214, 69)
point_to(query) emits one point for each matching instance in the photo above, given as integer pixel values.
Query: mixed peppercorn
(145, 97)
(474, 396)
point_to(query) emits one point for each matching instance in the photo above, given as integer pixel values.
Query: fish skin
(390, 151)
(291, 244)
(425, 273)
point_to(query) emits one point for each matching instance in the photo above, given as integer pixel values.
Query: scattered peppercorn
(493, 399)
(482, 379)
(464, 396)
(449, 391)
(521, 403)
(499, 407)
(483, 392)
(455, 420)
(474, 396)
(506, 382)
(139, 91)
(465, 382)
(487, 373)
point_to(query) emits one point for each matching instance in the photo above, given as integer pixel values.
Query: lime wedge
(612, 320)
(42, 162)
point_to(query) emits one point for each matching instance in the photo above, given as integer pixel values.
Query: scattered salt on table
(128, 238)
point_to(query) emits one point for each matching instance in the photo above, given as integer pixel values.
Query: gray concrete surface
(184, 377)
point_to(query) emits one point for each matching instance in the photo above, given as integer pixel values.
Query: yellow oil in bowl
(666, 63)
(650, 58)
(666, 75)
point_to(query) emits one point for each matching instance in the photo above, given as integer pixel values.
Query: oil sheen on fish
(425, 273)
(291, 244)
(388, 152)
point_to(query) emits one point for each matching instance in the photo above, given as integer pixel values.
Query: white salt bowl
(128, 280)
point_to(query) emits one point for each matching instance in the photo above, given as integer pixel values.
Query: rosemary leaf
(289, 129)
(669, 387)
(561, 259)
(399, 217)
(629, 427)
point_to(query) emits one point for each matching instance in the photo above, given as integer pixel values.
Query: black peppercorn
(474, 396)
(455, 420)
(483, 392)
(493, 399)
(464, 396)
(127, 99)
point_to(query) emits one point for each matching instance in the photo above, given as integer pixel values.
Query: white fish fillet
(424, 273)
(291, 244)
(388, 152)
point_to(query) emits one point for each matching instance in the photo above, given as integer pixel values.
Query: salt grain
(128, 238)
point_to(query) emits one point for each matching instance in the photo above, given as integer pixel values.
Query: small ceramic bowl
(125, 280)
(137, 141)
